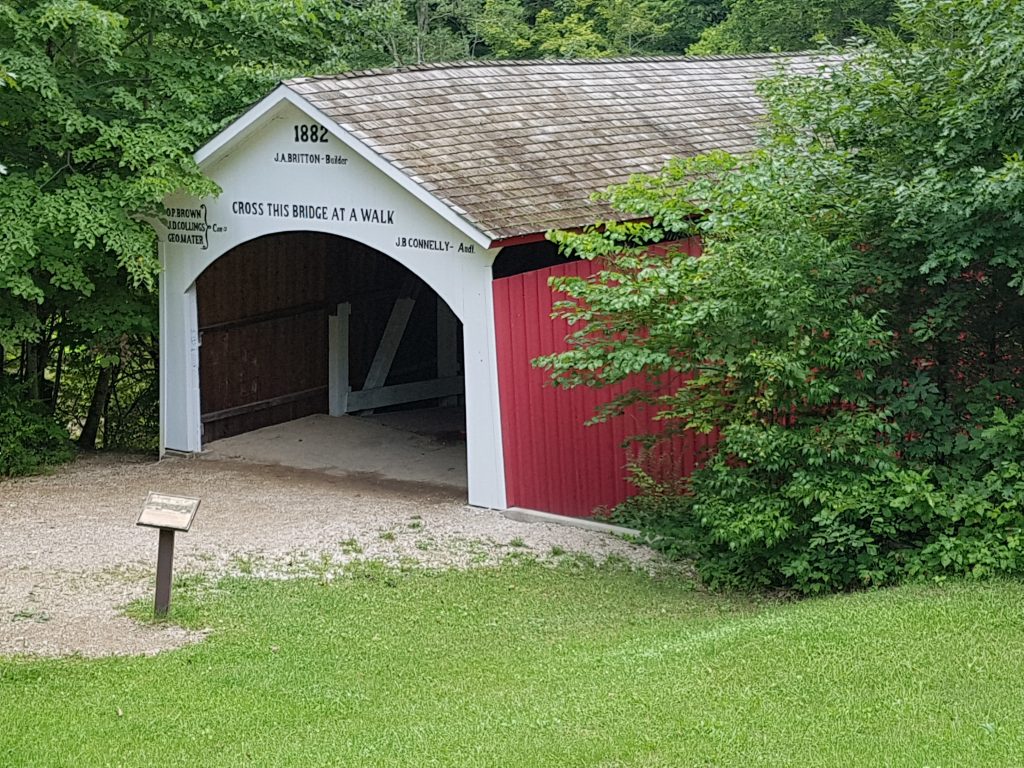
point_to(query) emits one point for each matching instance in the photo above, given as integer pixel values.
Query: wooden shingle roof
(517, 148)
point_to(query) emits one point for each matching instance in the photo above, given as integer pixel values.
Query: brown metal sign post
(169, 514)
(164, 560)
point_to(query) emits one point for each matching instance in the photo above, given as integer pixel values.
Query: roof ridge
(511, 63)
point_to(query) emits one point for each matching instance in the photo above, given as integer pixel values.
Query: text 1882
(308, 133)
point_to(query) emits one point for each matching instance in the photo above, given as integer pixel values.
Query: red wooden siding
(553, 462)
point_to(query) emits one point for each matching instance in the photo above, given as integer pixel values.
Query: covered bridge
(379, 242)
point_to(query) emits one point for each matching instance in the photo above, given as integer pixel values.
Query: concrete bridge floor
(425, 446)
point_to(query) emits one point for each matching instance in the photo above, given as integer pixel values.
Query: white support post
(447, 346)
(164, 335)
(484, 455)
(385, 355)
(337, 361)
(193, 395)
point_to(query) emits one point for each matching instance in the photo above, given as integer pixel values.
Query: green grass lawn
(535, 666)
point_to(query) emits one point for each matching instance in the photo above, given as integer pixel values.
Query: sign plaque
(172, 512)
(169, 514)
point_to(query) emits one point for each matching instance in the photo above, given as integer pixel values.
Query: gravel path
(71, 555)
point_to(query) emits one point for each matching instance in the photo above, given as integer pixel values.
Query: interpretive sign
(169, 514)
(173, 512)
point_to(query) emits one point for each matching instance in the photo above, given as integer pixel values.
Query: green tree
(687, 20)
(589, 28)
(6, 81)
(106, 104)
(502, 29)
(422, 31)
(854, 325)
(573, 34)
(789, 25)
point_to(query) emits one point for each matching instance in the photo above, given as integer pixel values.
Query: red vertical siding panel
(508, 342)
(553, 462)
(507, 392)
(521, 382)
(575, 408)
(536, 485)
(591, 479)
(553, 450)
(539, 481)
(614, 459)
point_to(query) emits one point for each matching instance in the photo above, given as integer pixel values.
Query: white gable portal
(282, 168)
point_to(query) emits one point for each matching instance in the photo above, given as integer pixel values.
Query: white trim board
(522, 515)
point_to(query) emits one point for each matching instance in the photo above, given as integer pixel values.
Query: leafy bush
(852, 523)
(29, 438)
(853, 327)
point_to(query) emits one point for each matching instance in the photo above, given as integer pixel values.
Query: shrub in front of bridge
(855, 327)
